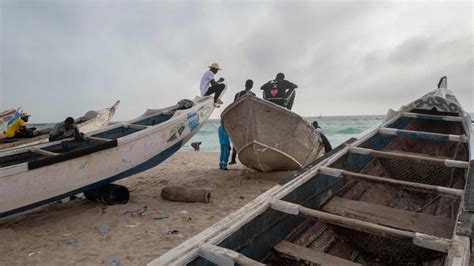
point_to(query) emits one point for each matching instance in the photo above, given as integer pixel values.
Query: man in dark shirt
(248, 89)
(280, 91)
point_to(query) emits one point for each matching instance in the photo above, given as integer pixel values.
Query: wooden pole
(445, 191)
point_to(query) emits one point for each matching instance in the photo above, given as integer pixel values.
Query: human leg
(234, 155)
(290, 98)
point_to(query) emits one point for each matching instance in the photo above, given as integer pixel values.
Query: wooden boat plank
(405, 156)
(422, 135)
(310, 255)
(405, 184)
(391, 217)
(224, 256)
(433, 117)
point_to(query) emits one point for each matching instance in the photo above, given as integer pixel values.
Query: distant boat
(269, 137)
(91, 121)
(400, 194)
(44, 173)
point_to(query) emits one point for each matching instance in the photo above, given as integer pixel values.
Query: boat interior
(379, 203)
(58, 151)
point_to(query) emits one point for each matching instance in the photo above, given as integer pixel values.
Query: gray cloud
(61, 58)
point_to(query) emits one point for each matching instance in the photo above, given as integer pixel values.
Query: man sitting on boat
(209, 86)
(65, 129)
(18, 128)
(280, 91)
(327, 145)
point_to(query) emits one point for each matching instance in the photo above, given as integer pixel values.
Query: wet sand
(84, 232)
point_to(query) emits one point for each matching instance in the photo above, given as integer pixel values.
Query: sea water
(336, 128)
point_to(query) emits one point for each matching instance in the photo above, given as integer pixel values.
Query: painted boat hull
(101, 120)
(437, 233)
(268, 137)
(22, 189)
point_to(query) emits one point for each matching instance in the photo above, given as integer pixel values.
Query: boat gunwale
(22, 167)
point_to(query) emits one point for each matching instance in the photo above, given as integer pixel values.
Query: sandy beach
(84, 232)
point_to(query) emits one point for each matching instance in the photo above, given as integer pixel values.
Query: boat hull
(22, 188)
(268, 137)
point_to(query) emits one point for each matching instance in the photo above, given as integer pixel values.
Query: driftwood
(186, 194)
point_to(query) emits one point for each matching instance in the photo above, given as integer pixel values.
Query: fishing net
(415, 171)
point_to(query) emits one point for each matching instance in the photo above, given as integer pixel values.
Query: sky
(61, 58)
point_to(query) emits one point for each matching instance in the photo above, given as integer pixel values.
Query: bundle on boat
(402, 194)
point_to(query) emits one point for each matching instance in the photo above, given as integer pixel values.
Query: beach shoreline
(81, 231)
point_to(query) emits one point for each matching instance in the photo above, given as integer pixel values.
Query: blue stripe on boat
(154, 161)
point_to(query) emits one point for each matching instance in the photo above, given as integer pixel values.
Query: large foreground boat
(44, 173)
(400, 194)
(269, 137)
(91, 121)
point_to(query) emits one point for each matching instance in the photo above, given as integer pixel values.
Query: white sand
(69, 233)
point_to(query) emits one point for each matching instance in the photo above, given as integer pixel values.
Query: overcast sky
(62, 58)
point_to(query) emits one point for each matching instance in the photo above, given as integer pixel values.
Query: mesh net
(414, 171)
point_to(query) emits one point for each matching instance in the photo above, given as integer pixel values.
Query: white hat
(215, 65)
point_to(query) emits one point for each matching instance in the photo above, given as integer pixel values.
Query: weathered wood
(43, 152)
(310, 255)
(433, 117)
(420, 239)
(186, 194)
(223, 256)
(423, 135)
(409, 156)
(391, 217)
(445, 191)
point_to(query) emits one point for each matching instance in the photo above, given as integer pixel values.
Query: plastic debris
(31, 254)
(103, 229)
(137, 213)
(115, 262)
(67, 242)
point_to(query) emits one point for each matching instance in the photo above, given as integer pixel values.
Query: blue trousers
(225, 152)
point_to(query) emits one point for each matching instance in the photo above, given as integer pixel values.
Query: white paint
(286, 207)
(20, 187)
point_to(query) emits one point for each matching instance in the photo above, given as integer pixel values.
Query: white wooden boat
(401, 193)
(269, 137)
(44, 173)
(91, 121)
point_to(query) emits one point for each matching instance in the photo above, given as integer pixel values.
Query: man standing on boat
(209, 86)
(280, 91)
(65, 129)
(248, 89)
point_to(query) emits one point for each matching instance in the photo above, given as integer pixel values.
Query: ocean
(336, 128)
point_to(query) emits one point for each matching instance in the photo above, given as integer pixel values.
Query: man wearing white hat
(209, 86)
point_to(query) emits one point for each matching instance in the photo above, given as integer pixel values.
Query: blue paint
(154, 161)
(154, 120)
(193, 121)
(257, 238)
(416, 135)
(116, 133)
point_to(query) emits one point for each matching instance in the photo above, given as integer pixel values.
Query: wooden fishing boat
(400, 194)
(268, 137)
(91, 121)
(44, 173)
